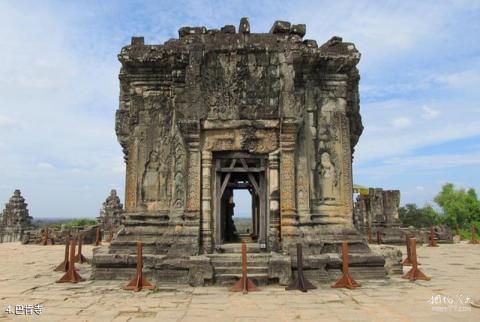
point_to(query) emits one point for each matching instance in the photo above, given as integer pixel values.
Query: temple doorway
(235, 173)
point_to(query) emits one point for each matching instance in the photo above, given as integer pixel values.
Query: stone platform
(224, 266)
(27, 277)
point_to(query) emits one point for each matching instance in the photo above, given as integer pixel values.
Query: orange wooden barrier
(345, 281)
(139, 282)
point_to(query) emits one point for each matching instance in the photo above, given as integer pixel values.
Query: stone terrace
(26, 277)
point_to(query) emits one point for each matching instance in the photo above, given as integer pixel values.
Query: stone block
(280, 27)
(299, 29)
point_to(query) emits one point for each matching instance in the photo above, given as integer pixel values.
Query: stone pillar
(288, 211)
(274, 201)
(131, 178)
(206, 201)
(191, 132)
(336, 141)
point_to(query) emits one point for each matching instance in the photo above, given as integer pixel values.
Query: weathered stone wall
(219, 90)
(288, 102)
(379, 209)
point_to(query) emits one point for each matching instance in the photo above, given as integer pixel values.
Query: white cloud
(420, 188)
(462, 79)
(45, 166)
(401, 122)
(429, 113)
(413, 165)
(6, 121)
(59, 81)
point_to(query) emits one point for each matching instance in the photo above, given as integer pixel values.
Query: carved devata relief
(163, 179)
(327, 167)
(179, 170)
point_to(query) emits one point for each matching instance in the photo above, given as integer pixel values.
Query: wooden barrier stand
(71, 276)
(63, 266)
(79, 258)
(474, 239)
(345, 281)
(244, 284)
(300, 283)
(139, 282)
(414, 273)
(98, 239)
(432, 242)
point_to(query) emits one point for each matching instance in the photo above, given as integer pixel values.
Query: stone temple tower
(215, 111)
(111, 214)
(15, 219)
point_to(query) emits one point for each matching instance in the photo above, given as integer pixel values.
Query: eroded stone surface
(379, 208)
(216, 110)
(111, 214)
(14, 220)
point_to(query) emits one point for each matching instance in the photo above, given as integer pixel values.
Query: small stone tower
(111, 214)
(15, 219)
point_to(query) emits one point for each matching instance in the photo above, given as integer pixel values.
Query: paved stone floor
(26, 278)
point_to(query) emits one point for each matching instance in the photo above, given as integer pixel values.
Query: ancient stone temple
(215, 111)
(14, 220)
(111, 214)
(379, 208)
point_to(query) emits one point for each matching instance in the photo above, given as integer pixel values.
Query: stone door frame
(237, 164)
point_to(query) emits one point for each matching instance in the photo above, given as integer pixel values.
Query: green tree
(411, 215)
(459, 207)
(81, 222)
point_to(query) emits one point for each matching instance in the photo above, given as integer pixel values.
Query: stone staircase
(227, 264)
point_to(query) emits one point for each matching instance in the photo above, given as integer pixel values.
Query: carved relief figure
(328, 177)
(163, 172)
(179, 190)
(150, 186)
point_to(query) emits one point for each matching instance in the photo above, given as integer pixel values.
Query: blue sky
(420, 89)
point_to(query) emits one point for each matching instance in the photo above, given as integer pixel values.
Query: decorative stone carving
(328, 177)
(111, 214)
(214, 111)
(14, 219)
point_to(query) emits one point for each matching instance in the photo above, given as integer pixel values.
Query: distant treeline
(66, 222)
(460, 209)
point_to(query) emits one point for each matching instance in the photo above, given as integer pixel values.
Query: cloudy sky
(420, 89)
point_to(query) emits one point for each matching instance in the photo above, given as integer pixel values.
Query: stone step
(238, 264)
(237, 248)
(222, 270)
(230, 279)
(236, 259)
(132, 222)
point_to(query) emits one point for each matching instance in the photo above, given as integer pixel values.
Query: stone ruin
(111, 214)
(443, 234)
(57, 235)
(215, 111)
(379, 208)
(14, 220)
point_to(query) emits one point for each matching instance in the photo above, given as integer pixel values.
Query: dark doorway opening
(238, 172)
